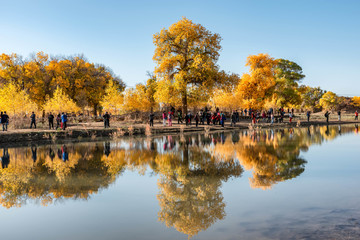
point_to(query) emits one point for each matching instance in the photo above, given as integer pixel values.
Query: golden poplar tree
(60, 102)
(15, 101)
(329, 100)
(113, 100)
(186, 54)
(257, 86)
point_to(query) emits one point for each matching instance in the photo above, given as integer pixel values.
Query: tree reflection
(191, 169)
(190, 198)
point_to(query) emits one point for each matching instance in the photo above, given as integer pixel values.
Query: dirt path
(82, 131)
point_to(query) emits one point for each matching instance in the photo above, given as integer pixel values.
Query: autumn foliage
(186, 75)
(38, 78)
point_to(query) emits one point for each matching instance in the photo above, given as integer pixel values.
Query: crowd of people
(202, 117)
(61, 120)
(218, 117)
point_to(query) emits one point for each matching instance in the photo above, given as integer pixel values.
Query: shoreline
(30, 137)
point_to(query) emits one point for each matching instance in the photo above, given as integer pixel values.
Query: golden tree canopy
(257, 86)
(186, 56)
(15, 101)
(356, 101)
(113, 100)
(329, 100)
(60, 102)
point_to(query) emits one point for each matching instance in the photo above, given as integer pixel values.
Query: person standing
(204, 116)
(64, 120)
(263, 116)
(151, 119)
(208, 117)
(197, 119)
(272, 118)
(33, 120)
(308, 115)
(339, 115)
(170, 118)
(51, 121)
(233, 119)
(253, 117)
(179, 116)
(201, 116)
(213, 118)
(356, 115)
(106, 118)
(327, 114)
(164, 118)
(58, 121)
(222, 119)
(4, 121)
(290, 117)
(186, 119)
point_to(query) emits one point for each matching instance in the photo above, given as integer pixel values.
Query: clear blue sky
(322, 36)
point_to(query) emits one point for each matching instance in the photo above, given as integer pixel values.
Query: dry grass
(207, 129)
(182, 127)
(148, 130)
(131, 130)
(119, 133)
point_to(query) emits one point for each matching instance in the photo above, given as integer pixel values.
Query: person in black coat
(106, 120)
(4, 121)
(51, 120)
(33, 120)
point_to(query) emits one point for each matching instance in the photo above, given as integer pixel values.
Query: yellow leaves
(60, 168)
(113, 100)
(15, 101)
(60, 102)
(225, 99)
(329, 100)
(167, 93)
(356, 101)
(185, 54)
(254, 88)
(82, 81)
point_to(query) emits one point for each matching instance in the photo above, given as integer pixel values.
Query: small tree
(113, 100)
(256, 87)
(15, 101)
(329, 100)
(60, 102)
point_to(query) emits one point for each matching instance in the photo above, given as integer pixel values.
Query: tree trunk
(95, 110)
(184, 102)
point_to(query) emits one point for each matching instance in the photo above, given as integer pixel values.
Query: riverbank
(93, 131)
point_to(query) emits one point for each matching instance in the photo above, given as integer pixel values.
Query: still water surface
(300, 183)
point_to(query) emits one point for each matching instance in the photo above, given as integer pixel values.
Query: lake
(296, 183)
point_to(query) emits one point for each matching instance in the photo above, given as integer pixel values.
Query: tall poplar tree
(186, 54)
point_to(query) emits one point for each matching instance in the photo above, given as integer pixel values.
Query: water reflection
(190, 169)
